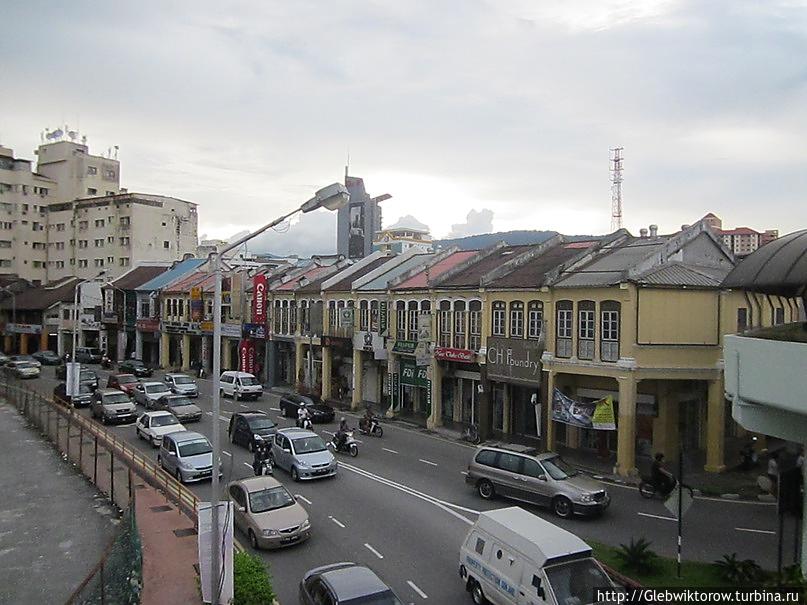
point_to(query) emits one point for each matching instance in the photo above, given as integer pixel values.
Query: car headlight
(268, 533)
(258, 437)
(306, 524)
(186, 465)
(302, 464)
(587, 498)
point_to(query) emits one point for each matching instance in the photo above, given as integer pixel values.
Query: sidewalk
(54, 524)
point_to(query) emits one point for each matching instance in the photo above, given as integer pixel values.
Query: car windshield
(136, 363)
(116, 398)
(257, 424)
(164, 420)
(126, 379)
(156, 388)
(48, 354)
(194, 448)
(309, 445)
(183, 380)
(385, 597)
(25, 364)
(84, 389)
(23, 358)
(576, 581)
(558, 468)
(248, 381)
(269, 499)
(175, 402)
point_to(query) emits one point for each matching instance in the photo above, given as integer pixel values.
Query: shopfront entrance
(415, 389)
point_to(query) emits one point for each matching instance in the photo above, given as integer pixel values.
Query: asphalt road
(402, 508)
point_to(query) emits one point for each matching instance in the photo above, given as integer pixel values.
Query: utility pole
(616, 188)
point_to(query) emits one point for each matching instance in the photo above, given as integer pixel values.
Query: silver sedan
(148, 393)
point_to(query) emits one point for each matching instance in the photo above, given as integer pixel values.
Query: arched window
(535, 319)
(444, 324)
(305, 317)
(292, 317)
(374, 323)
(460, 324)
(400, 320)
(364, 315)
(333, 316)
(278, 316)
(586, 323)
(498, 319)
(563, 330)
(475, 325)
(517, 319)
(412, 313)
(609, 330)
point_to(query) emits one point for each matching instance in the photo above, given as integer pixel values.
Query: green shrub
(252, 584)
(736, 571)
(638, 556)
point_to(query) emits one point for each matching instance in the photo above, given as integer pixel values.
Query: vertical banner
(205, 516)
(259, 299)
(247, 356)
(197, 307)
(383, 317)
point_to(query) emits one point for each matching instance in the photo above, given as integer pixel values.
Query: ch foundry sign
(514, 360)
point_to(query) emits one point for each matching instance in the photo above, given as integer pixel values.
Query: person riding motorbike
(660, 477)
(303, 415)
(259, 456)
(341, 434)
(366, 421)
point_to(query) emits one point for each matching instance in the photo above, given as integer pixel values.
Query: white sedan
(151, 426)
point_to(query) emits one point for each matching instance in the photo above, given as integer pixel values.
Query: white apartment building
(70, 217)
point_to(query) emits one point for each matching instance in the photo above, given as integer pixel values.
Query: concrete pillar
(626, 427)
(356, 396)
(457, 416)
(8, 343)
(665, 425)
(394, 393)
(572, 436)
(506, 411)
(138, 344)
(186, 351)
(327, 362)
(715, 427)
(271, 363)
(226, 354)
(165, 347)
(299, 361)
(43, 339)
(23, 344)
(550, 425)
(435, 418)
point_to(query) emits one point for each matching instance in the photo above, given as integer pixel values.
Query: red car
(123, 382)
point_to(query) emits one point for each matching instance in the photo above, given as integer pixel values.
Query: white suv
(240, 385)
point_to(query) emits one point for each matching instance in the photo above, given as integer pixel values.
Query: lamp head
(332, 197)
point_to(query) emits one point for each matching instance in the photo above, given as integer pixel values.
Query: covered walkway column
(43, 339)
(550, 425)
(435, 418)
(327, 362)
(186, 351)
(665, 425)
(165, 347)
(358, 375)
(715, 427)
(299, 362)
(626, 427)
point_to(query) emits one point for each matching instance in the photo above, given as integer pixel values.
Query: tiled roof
(345, 285)
(41, 297)
(473, 273)
(396, 270)
(172, 274)
(196, 279)
(312, 273)
(419, 279)
(610, 266)
(139, 275)
(679, 274)
(532, 274)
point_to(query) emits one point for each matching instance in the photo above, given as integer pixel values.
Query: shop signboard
(404, 346)
(412, 375)
(231, 330)
(424, 326)
(148, 325)
(255, 330)
(259, 299)
(23, 328)
(247, 354)
(597, 415)
(206, 327)
(394, 396)
(197, 306)
(175, 327)
(382, 317)
(514, 360)
(450, 354)
(346, 317)
(423, 354)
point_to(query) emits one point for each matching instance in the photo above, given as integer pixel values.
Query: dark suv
(320, 412)
(82, 400)
(248, 427)
(136, 367)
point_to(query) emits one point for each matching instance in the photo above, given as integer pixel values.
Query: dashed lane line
(389, 450)
(427, 462)
(226, 453)
(337, 521)
(657, 517)
(414, 587)
(756, 531)
(373, 550)
(273, 409)
(304, 499)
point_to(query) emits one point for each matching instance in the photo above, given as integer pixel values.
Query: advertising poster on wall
(259, 299)
(597, 415)
(247, 355)
(197, 306)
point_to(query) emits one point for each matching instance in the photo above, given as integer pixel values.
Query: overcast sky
(504, 108)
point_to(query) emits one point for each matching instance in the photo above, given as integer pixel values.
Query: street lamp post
(122, 356)
(75, 322)
(332, 197)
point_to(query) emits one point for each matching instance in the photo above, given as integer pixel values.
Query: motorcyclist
(366, 421)
(341, 434)
(661, 478)
(302, 415)
(259, 456)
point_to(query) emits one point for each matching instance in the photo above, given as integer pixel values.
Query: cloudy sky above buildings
(474, 115)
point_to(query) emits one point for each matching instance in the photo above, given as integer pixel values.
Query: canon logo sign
(259, 299)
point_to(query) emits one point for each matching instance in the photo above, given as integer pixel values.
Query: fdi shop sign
(514, 360)
(413, 375)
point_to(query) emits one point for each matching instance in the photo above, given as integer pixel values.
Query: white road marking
(337, 521)
(329, 433)
(756, 531)
(389, 450)
(248, 465)
(304, 499)
(243, 405)
(657, 517)
(374, 551)
(427, 462)
(273, 409)
(463, 472)
(209, 413)
(414, 587)
(226, 453)
(224, 419)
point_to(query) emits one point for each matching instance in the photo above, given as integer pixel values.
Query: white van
(240, 385)
(512, 557)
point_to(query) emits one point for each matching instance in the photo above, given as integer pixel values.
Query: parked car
(123, 382)
(147, 393)
(153, 426)
(182, 384)
(136, 367)
(345, 583)
(246, 428)
(28, 358)
(187, 456)
(82, 400)
(240, 385)
(88, 355)
(522, 473)
(112, 405)
(180, 406)
(88, 377)
(303, 454)
(4, 359)
(320, 412)
(22, 369)
(267, 513)
(47, 358)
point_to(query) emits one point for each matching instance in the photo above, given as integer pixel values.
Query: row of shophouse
(611, 347)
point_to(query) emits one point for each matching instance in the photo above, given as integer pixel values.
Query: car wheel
(139, 434)
(477, 596)
(250, 446)
(253, 540)
(178, 475)
(562, 507)
(295, 476)
(159, 461)
(486, 489)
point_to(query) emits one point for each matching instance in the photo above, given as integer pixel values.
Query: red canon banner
(247, 354)
(259, 299)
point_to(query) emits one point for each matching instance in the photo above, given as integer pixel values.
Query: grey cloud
(475, 223)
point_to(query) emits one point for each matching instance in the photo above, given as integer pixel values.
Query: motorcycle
(106, 363)
(305, 423)
(265, 467)
(648, 488)
(349, 446)
(375, 429)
